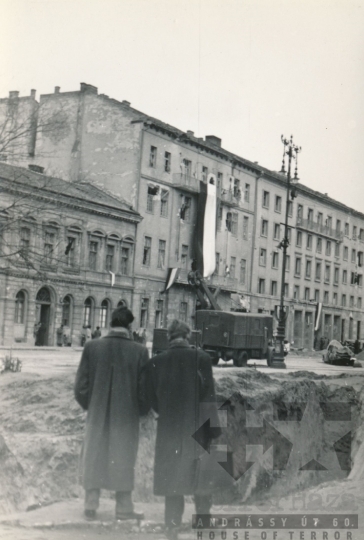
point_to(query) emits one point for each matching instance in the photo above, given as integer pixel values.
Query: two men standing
(115, 383)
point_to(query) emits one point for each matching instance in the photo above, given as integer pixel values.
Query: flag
(318, 315)
(112, 278)
(171, 278)
(206, 229)
(69, 246)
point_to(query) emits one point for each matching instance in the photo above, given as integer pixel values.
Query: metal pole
(291, 152)
(278, 360)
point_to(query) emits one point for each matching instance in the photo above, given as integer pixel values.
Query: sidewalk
(69, 515)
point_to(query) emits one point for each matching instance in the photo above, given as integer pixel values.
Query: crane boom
(202, 291)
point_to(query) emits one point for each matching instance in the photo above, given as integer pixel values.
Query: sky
(246, 71)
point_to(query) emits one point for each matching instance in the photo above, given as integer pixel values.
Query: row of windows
(52, 253)
(230, 269)
(357, 257)
(161, 260)
(155, 194)
(355, 278)
(310, 216)
(88, 315)
(307, 294)
(159, 313)
(277, 203)
(20, 312)
(231, 221)
(186, 169)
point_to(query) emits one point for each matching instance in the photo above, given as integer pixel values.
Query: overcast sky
(244, 70)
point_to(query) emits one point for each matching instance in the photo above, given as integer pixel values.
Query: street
(55, 360)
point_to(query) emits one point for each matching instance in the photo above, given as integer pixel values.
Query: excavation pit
(288, 433)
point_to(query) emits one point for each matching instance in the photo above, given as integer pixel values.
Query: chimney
(13, 94)
(88, 88)
(57, 89)
(213, 140)
(190, 133)
(126, 103)
(32, 93)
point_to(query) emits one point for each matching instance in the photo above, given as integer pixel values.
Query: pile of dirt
(309, 425)
(42, 429)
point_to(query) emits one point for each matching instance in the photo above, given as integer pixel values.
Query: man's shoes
(90, 514)
(122, 516)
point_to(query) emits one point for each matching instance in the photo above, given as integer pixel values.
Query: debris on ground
(10, 364)
(42, 431)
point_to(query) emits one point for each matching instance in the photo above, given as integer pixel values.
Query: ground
(42, 428)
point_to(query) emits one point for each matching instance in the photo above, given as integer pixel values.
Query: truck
(235, 336)
(230, 335)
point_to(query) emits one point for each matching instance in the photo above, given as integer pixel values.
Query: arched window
(104, 313)
(67, 310)
(87, 311)
(44, 296)
(20, 302)
(122, 303)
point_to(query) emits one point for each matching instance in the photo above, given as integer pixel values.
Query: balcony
(182, 275)
(227, 197)
(318, 228)
(226, 283)
(186, 182)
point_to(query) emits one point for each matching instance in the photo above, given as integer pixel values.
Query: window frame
(147, 255)
(153, 156)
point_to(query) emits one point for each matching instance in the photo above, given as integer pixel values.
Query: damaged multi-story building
(155, 169)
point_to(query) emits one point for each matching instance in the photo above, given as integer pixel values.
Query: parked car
(336, 353)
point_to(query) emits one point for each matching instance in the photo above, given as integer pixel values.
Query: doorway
(42, 323)
(342, 330)
(298, 341)
(336, 332)
(308, 344)
(327, 327)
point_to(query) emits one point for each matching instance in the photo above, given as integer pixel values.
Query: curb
(145, 527)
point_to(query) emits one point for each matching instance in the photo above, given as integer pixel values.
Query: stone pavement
(69, 513)
(67, 517)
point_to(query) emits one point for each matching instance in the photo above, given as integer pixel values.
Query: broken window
(147, 250)
(229, 220)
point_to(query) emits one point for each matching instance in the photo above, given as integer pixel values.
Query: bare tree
(32, 209)
(27, 198)
(22, 121)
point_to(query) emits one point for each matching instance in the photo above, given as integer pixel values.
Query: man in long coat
(178, 384)
(107, 386)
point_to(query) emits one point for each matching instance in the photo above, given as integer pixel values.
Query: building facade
(156, 169)
(59, 243)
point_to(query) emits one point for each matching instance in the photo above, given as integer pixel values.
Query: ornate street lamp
(290, 150)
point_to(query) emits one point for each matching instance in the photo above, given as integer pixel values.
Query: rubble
(42, 432)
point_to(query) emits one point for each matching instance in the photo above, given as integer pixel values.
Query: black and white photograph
(181, 270)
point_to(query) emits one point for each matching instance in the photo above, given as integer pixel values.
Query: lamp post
(291, 151)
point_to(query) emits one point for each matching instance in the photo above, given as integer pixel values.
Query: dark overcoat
(107, 386)
(179, 386)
